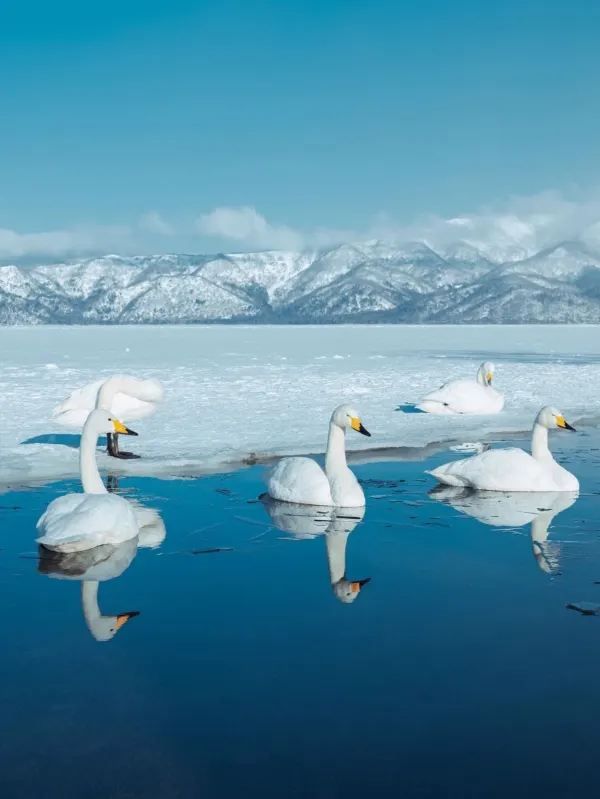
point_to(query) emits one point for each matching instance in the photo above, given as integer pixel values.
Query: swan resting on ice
(303, 481)
(465, 396)
(124, 396)
(514, 469)
(76, 522)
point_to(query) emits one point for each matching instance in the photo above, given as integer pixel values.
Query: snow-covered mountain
(367, 282)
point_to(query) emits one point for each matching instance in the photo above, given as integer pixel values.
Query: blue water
(458, 671)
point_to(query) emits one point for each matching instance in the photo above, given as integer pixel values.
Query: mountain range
(368, 282)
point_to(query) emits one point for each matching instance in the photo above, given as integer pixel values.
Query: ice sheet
(233, 391)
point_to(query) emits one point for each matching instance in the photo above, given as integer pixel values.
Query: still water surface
(262, 664)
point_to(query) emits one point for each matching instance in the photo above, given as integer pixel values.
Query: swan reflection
(335, 525)
(515, 510)
(101, 564)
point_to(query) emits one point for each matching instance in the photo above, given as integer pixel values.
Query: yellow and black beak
(489, 377)
(358, 426)
(356, 585)
(562, 422)
(123, 618)
(122, 430)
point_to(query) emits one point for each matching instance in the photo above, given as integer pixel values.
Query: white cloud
(247, 226)
(53, 243)
(153, 222)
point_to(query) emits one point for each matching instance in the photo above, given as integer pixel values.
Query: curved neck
(107, 392)
(539, 443)
(336, 555)
(88, 468)
(335, 457)
(481, 376)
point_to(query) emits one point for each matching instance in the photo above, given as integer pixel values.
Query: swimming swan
(335, 524)
(303, 481)
(465, 396)
(126, 396)
(514, 469)
(82, 521)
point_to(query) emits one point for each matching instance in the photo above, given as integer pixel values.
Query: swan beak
(120, 428)
(123, 618)
(562, 422)
(359, 427)
(489, 377)
(358, 584)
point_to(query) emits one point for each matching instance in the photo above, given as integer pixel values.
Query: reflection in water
(516, 509)
(100, 564)
(336, 524)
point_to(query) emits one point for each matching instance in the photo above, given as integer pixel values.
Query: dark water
(458, 671)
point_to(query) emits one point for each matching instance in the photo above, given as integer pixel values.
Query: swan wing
(508, 469)
(81, 521)
(299, 480)
(132, 399)
(462, 396)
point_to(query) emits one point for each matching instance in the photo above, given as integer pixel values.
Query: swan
(496, 509)
(465, 396)
(303, 481)
(126, 396)
(76, 522)
(91, 567)
(310, 521)
(514, 469)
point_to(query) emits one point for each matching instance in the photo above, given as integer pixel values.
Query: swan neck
(88, 468)
(539, 442)
(481, 377)
(336, 555)
(335, 457)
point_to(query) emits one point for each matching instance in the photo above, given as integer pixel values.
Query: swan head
(485, 374)
(345, 416)
(100, 421)
(551, 418)
(103, 628)
(347, 590)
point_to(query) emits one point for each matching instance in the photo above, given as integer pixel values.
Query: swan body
(514, 469)
(128, 397)
(77, 522)
(303, 481)
(465, 396)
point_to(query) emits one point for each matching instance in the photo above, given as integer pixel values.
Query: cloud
(61, 243)
(153, 222)
(246, 226)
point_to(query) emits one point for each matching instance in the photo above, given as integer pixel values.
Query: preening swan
(335, 524)
(124, 396)
(82, 521)
(498, 509)
(514, 469)
(465, 396)
(92, 567)
(303, 481)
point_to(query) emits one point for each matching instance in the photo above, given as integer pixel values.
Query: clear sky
(128, 122)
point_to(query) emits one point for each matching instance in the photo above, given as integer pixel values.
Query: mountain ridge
(369, 282)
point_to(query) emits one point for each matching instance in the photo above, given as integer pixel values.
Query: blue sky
(193, 126)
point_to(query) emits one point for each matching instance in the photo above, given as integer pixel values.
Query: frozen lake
(236, 391)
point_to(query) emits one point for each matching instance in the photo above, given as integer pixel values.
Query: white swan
(498, 509)
(335, 524)
(92, 567)
(303, 481)
(124, 396)
(465, 396)
(82, 521)
(514, 469)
